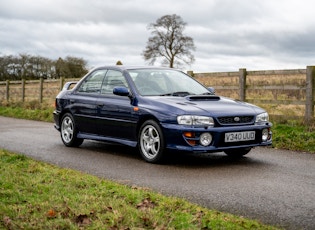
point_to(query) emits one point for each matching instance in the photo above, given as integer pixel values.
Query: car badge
(236, 119)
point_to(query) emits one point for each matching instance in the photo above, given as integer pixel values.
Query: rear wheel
(68, 131)
(237, 152)
(151, 142)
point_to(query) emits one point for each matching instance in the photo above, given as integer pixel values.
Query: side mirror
(121, 91)
(211, 90)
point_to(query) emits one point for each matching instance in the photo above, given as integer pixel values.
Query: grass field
(36, 195)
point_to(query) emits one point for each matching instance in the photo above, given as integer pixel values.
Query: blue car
(157, 110)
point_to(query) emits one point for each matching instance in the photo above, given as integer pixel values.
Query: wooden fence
(288, 94)
(41, 90)
(285, 94)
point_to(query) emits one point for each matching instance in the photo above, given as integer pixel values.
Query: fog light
(265, 134)
(205, 139)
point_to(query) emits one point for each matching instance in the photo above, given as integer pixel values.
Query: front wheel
(237, 153)
(68, 131)
(151, 142)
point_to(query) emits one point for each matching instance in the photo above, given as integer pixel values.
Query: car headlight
(263, 117)
(195, 120)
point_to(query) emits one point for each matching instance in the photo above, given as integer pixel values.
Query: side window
(93, 83)
(113, 78)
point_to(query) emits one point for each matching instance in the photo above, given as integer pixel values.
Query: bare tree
(168, 42)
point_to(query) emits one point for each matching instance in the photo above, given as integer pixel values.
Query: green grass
(36, 195)
(294, 136)
(32, 110)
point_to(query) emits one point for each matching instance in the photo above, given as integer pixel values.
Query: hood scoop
(203, 98)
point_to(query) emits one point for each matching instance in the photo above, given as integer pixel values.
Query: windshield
(160, 82)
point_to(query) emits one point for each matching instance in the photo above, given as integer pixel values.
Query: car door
(84, 102)
(116, 112)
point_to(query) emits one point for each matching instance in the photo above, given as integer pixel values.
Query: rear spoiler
(69, 85)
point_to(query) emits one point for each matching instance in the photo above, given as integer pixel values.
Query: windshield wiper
(177, 94)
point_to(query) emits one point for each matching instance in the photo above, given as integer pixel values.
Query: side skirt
(108, 139)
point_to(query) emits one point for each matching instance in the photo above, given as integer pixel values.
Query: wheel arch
(144, 119)
(151, 144)
(64, 111)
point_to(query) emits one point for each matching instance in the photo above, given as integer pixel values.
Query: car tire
(68, 131)
(151, 142)
(237, 153)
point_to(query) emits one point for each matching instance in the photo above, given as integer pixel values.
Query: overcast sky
(228, 35)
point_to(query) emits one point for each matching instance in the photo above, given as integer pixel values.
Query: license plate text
(240, 136)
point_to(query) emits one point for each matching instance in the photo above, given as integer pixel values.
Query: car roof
(122, 67)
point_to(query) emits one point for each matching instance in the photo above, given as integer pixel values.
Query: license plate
(240, 136)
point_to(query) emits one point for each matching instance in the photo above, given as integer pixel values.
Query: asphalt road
(274, 186)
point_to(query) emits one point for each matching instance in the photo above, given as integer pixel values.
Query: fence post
(7, 86)
(242, 84)
(61, 82)
(309, 103)
(23, 89)
(41, 84)
(190, 73)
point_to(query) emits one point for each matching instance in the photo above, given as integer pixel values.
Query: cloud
(228, 34)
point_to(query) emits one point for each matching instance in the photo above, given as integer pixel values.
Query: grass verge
(31, 110)
(294, 136)
(36, 195)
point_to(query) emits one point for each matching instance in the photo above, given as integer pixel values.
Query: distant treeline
(28, 67)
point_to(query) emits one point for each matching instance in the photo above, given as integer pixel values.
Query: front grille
(235, 120)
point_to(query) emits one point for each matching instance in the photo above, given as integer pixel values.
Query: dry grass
(294, 79)
(286, 89)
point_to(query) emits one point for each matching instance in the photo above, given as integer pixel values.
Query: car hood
(208, 105)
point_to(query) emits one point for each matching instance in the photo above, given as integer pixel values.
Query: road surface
(274, 186)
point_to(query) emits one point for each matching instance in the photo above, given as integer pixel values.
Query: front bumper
(175, 138)
(56, 115)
